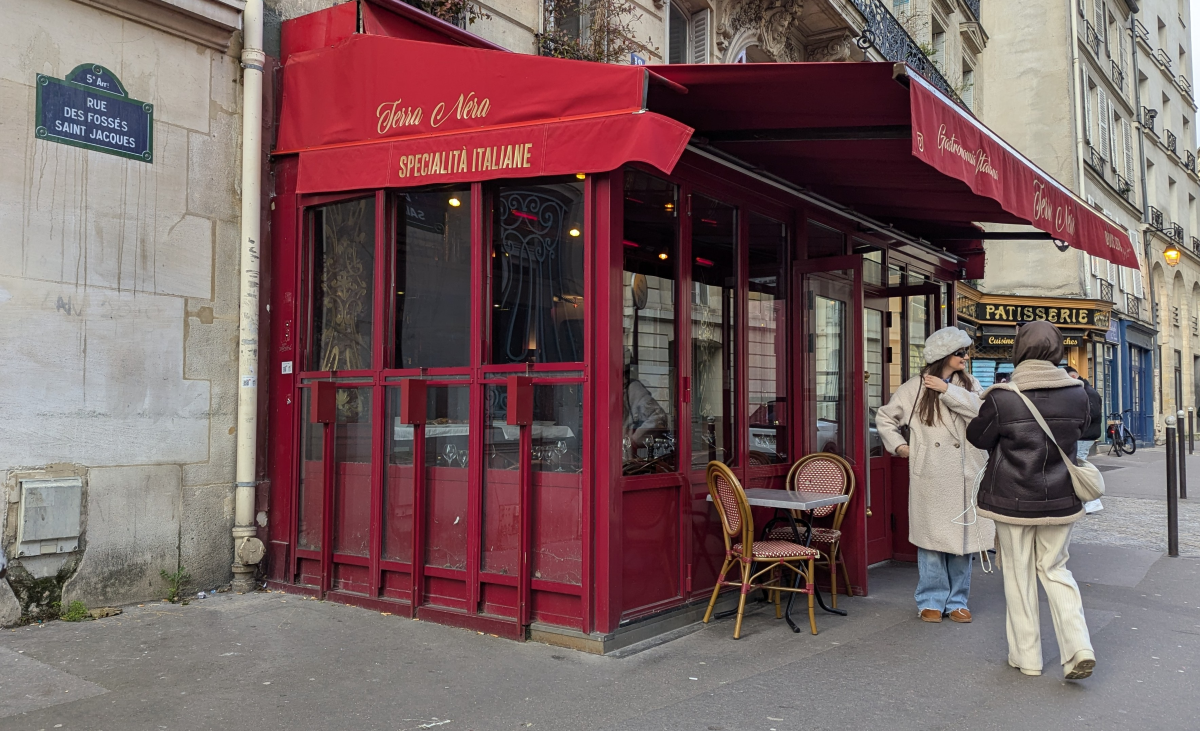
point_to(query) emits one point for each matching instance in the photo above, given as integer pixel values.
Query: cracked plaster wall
(118, 300)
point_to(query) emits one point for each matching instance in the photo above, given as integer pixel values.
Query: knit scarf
(1034, 374)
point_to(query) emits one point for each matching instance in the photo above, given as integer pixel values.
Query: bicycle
(1120, 438)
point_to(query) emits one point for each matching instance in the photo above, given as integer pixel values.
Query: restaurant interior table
(790, 503)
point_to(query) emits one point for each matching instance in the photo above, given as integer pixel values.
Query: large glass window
(677, 36)
(398, 484)
(767, 318)
(311, 489)
(343, 289)
(830, 356)
(824, 241)
(537, 273)
(714, 331)
(650, 244)
(918, 330)
(433, 279)
(352, 480)
(447, 439)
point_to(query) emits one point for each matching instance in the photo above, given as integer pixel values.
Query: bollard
(1182, 456)
(1191, 430)
(1172, 495)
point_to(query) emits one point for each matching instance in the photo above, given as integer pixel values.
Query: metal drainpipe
(248, 550)
(1137, 106)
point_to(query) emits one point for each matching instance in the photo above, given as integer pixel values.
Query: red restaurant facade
(517, 305)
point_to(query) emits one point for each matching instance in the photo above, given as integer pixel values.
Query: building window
(677, 36)
(968, 86)
(342, 285)
(537, 273)
(651, 243)
(715, 371)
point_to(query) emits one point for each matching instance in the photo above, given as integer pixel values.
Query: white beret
(944, 342)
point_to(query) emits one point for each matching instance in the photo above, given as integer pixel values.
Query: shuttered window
(1087, 110)
(700, 26)
(1102, 121)
(1127, 134)
(1113, 131)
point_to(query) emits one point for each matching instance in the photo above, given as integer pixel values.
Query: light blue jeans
(944, 582)
(1082, 447)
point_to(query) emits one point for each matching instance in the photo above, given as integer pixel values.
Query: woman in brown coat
(1027, 491)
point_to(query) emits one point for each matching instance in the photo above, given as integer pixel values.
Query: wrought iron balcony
(1189, 161)
(1106, 291)
(1195, 325)
(1133, 306)
(1162, 59)
(1095, 160)
(1170, 140)
(885, 33)
(1148, 117)
(1091, 38)
(1156, 218)
(1175, 231)
(1125, 188)
(1174, 316)
(1118, 76)
(1196, 245)
(1141, 32)
(974, 6)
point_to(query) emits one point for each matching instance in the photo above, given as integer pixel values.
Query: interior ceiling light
(574, 232)
(581, 176)
(454, 202)
(662, 255)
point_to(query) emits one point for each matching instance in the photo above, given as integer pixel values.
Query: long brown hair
(929, 408)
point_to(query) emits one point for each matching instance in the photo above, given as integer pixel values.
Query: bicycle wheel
(1115, 442)
(1130, 444)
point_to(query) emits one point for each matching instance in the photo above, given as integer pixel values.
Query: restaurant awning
(885, 142)
(372, 111)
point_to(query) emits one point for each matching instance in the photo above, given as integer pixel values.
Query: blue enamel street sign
(90, 109)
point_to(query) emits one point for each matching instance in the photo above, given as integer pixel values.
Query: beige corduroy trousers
(1029, 553)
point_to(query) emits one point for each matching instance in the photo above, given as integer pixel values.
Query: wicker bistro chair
(748, 556)
(830, 474)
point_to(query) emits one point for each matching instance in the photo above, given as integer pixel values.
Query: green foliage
(76, 612)
(590, 30)
(175, 583)
(452, 11)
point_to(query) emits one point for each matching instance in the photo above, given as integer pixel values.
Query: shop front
(994, 319)
(518, 305)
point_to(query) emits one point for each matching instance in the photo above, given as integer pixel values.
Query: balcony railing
(1196, 245)
(1091, 38)
(1106, 291)
(885, 33)
(1174, 316)
(1185, 85)
(1133, 306)
(1195, 325)
(1171, 142)
(1125, 188)
(1118, 76)
(1141, 32)
(1148, 117)
(1095, 160)
(1156, 218)
(974, 6)
(1189, 161)
(1175, 232)
(1162, 59)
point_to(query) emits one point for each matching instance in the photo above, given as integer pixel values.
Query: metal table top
(766, 497)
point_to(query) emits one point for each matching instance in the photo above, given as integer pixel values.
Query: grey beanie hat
(944, 342)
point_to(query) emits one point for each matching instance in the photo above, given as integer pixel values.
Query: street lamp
(1171, 254)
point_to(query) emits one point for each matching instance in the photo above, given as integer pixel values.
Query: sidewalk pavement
(1135, 501)
(275, 661)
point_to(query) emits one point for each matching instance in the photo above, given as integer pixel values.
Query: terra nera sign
(90, 109)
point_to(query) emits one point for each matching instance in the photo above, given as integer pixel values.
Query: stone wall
(118, 303)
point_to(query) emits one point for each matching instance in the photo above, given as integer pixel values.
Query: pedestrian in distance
(1095, 413)
(926, 422)
(1027, 491)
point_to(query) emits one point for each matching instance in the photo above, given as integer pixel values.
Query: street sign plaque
(90, 109)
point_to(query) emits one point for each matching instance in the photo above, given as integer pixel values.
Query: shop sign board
(1006, 340)
(1075, 316)
(90, 109)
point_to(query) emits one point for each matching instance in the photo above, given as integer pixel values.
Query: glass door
(833, 386)
(876, 326)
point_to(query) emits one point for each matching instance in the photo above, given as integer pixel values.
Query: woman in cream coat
(937, 406)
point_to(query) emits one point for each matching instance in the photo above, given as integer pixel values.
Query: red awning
(901, 153)
(376, 112)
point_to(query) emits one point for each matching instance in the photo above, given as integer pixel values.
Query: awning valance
(374, 112)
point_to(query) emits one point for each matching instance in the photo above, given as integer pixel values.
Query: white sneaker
(1024, 671)
(1080, 666)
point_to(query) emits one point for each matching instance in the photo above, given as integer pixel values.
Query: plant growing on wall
(590, 30)
(458, 12)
